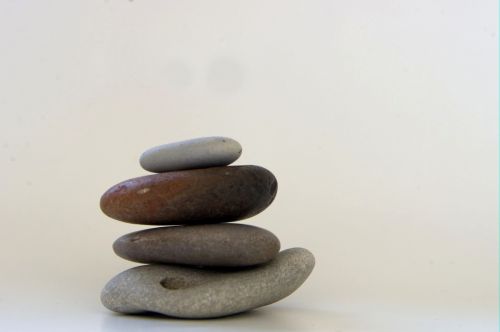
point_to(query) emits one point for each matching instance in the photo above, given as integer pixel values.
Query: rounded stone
(202, 245)
(194, 153)
(208, 195)
(186, 292)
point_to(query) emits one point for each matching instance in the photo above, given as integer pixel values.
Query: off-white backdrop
(379, 119)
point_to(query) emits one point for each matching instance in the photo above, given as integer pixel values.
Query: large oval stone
(202, 245)
(194, 153)
(207, 195)
(197, 293)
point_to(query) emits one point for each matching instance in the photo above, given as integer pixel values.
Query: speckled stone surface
(197, 293)
(208, 195)
(194, 153)
(203, 245)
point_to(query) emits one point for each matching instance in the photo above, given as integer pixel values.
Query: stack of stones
(199, 266)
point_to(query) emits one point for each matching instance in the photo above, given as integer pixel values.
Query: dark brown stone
(203, 245)
(208, 195)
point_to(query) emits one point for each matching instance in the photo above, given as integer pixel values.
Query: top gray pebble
(200, 152)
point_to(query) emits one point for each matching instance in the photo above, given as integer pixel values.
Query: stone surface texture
(198, 293)
(208, 195)
(202, 245)
(194, 153)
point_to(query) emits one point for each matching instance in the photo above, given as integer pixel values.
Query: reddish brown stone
(208, 195)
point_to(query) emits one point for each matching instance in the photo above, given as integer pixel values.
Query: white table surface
(287, 315)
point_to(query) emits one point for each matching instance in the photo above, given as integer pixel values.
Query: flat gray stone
(200, 152)
(202, 245)
(198, 293)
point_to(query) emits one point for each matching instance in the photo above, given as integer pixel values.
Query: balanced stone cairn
(202, 267)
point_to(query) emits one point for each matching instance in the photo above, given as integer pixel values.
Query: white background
(379, 119)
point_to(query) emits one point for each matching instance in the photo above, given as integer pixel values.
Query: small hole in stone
(135, 239)
(175, 283)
